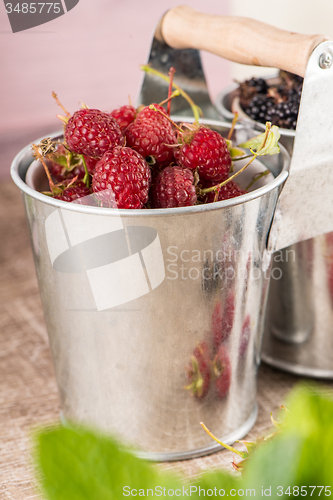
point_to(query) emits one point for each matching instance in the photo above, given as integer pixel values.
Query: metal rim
(295, 369)
(230, 438)
(278, 181)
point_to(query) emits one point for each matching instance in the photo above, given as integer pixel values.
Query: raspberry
(208, 152)
(151, 135)
(122, 178)
(174, 188)
(124, 116)
(222, 372)
(61, 173)
(151, 113)
(92, 132)
(199, 372)
(74, 192)
(230, 190)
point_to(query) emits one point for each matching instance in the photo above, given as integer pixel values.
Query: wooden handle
(239, 39)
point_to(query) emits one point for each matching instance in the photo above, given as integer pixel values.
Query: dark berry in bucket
(277, 103)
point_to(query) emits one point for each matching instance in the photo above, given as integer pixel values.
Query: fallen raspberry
(122, 179)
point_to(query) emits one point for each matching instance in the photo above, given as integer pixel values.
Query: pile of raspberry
(138, 158)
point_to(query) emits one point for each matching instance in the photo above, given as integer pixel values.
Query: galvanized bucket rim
(228, 115)
(156, 212)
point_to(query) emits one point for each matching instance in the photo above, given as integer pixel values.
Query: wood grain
(238, 39)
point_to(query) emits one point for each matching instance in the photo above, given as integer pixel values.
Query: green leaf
(220, 483)
(261, 146)
(311, 417)
(80, 464)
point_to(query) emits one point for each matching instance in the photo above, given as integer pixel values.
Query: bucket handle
(238, 39)
(305, 206)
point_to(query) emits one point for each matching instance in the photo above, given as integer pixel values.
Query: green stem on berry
(244, 157)
(255, 155)
(233, 124)
(256, 178)
(195, 109)
(39, 157)
(218, 186)
(171, 73)
(242, 454)
(86, 178)
(151, 106)
(175, 93)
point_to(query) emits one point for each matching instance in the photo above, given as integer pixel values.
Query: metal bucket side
(298, 331)
(128, 296)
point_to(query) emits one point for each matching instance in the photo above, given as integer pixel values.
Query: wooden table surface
(28, 392)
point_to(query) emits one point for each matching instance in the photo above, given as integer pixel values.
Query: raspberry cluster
(138, 158)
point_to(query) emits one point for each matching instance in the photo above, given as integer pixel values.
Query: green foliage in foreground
(80, 464)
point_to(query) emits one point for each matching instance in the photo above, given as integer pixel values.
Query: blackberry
(278, 104)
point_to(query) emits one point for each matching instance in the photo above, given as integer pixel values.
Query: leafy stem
(195, 109)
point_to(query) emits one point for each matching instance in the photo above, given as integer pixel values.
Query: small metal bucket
(298, 334)
(129, 294)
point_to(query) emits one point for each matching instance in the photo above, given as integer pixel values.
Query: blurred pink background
(92, 54)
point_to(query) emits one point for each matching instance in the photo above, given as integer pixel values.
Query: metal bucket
(298, 334)
(129, 294)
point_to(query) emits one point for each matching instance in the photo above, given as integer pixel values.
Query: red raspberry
(199, 372)
(151, 113)
(174, 188)
(208, 152)
(74, 192)
(230, 190)
(151, 135)
(92, 132)
(222, 372)
(124, 116)
(122, 178)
